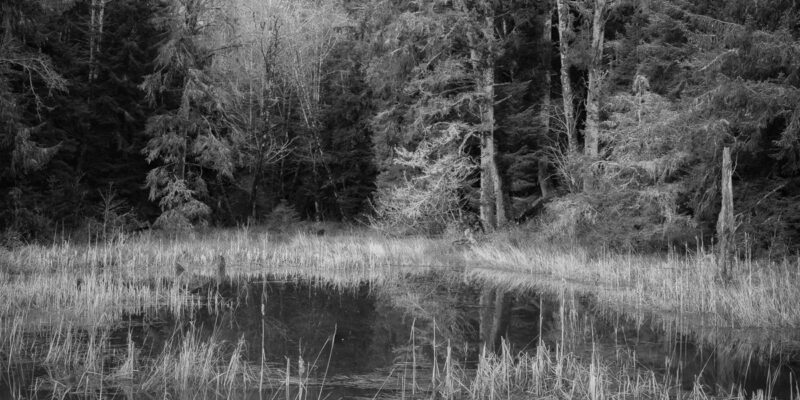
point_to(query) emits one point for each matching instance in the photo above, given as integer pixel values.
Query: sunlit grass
(135, 273)
(760, 294)
(92, 286)
(102, 280)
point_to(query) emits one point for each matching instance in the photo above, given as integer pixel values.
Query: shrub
(283, 215)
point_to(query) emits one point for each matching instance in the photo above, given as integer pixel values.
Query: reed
(555, 374)
(759, 293)
(93, 285)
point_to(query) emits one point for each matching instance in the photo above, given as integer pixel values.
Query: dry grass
(196, 368)
(686, 290)
(93, 285)
(88, 364)
(99, 282)
(548, 374)
(134, 274)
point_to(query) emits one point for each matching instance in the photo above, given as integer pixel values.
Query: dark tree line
(602, 120)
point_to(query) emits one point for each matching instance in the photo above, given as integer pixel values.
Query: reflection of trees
(436, 307)
(683, 349)
(299, 318)
(510, 315)
(447, 311)
(495, 313)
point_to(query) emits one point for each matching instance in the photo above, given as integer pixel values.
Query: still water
(309, 339)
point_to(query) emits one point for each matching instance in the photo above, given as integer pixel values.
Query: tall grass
(191, 367)
(559, 375)
(87, 364)
(756, 307)
(125, 274)
(759, 293)
(134, 274)
(93, 285)
(549, 373)
(100, 281)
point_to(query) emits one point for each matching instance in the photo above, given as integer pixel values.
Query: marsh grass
(94, 285)
(759, 294)
(189, 366)
(564, 375)
(98, 282)
(133, 273)
(548, 373)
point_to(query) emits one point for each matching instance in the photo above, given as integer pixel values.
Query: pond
(278, 337)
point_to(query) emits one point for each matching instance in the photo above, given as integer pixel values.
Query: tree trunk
(544, 184)
(255, 185)
(92, 33)
(492, 208)
(592, 132)
(487, 205)
(547, 43)
(226, 200)
(183, 113)
(96, 16)
(564, 33)
(331, 180)
(725, 223)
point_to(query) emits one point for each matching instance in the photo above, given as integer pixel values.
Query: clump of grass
(560, 375)
(195, 367)
(12, 340)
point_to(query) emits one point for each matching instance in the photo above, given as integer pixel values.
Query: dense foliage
(601, 121)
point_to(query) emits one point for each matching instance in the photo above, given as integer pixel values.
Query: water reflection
(307, 338)
(721, 360)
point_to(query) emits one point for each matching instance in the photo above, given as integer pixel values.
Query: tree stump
(725, 223)
(222, 275)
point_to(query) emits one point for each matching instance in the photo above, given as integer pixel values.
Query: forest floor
(97, 282)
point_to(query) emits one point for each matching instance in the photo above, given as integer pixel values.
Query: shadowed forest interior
(597, 121)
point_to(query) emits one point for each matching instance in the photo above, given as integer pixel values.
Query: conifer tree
(27, 78)
(188, 138)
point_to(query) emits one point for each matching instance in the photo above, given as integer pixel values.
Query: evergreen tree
(682, 86)
(189, 136)
(434, 74)
(27, 80)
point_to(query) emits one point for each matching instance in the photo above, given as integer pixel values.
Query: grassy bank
(123, 274)
(136, 272)
(758, 294)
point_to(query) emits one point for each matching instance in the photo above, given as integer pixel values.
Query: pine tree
(188, 137)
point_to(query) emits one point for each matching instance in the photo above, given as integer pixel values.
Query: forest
(406, 199)
(599, 121)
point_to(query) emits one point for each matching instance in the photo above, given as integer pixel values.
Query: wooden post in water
(221, 274)
(725, 223)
